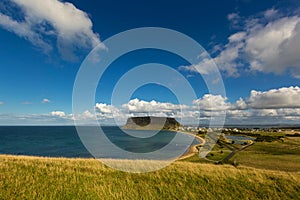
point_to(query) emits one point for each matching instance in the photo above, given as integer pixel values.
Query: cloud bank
(275, 106)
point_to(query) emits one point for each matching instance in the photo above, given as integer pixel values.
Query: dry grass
(59, 178)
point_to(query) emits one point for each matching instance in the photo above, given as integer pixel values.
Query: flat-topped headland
(151, 123)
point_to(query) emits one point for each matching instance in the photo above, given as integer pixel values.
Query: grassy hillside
(282, 155)
(58, 178)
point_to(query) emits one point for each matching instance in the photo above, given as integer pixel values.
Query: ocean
(63, 141)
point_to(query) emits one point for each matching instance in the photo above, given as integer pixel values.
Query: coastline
(193, 148)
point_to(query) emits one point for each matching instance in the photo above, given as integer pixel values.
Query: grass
(218, 153)
(283, 154)
(60, 178)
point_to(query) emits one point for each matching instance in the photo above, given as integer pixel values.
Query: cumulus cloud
(240, 104)
(211, 102)
(266, 43)
(43, 21)
(275, 98)
(1, 103)
(140, 106)
(240, 114)
(46, 101)
(261, 106)
(106, 109)
(274, 48)
(273, 106)
(58, 114)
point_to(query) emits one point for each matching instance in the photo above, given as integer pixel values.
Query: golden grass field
(60, 178)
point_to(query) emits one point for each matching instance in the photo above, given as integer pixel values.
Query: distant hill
(151, 123)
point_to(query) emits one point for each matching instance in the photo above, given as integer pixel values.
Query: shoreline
(193, 148)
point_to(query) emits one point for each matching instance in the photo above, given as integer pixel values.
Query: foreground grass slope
(58, 178)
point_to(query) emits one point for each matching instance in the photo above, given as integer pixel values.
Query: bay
(63, 141)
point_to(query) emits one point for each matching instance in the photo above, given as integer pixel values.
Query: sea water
(63, 141)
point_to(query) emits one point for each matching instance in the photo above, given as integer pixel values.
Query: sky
(255, 45)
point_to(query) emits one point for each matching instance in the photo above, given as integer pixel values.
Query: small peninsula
(151, 123)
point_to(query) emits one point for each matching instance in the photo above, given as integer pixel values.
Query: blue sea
(63, 141)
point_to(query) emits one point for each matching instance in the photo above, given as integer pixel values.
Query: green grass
(45, 178)
(218, 153)
(279, 155)
(255, 133)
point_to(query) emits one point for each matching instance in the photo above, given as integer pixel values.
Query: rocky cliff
(151, 123)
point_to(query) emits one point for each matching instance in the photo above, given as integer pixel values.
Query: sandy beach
(193, 148)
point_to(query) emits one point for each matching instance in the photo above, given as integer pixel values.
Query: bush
(267, 138)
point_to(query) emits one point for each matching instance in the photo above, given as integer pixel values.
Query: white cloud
(268, 47)
(260, 107)
(48, 19)
(106, 109)
(267, 43)
(273, 106)
(275, 98)
(46, 101)
(271, 13)
(234, 19)
(240, 105)
(88, 114)
(205, 67)
(211, 102)
(237, 37)
(238, 114)
(23, 29)
(137, 107)
(1, 103)
(58, 114)
(274, 47)
(140, 106)
(226, 60)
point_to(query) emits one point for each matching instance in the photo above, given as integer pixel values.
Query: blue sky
(255, 45)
